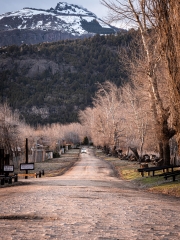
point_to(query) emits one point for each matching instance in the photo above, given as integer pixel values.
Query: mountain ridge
(65, 21)
(51, 82)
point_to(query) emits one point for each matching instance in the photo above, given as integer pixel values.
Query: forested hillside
(51, 82)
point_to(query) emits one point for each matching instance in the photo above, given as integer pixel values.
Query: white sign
(27, 166)
(8, 168)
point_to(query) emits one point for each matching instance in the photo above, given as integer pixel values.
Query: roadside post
(6, 164)
(26, 166)
(26, 177)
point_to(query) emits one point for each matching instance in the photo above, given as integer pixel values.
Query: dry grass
(171, 188)
(128, 171)
(56, 166)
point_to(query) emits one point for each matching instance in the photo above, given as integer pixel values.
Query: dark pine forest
(51, 82)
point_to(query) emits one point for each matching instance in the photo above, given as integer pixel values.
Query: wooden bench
(4, 179)
(154, 169)
(8, 179)
(15, 177)
(172, 174)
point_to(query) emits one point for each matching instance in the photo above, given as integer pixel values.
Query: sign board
(27, 166)
(8, 168)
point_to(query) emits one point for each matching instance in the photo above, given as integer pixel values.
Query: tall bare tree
(139, 13)
(108, 99)
(105, 119)
(9, 129)
(167, 21)
(136, 105)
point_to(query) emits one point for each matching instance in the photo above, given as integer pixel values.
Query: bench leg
(174, 178)
(10, 181)
(2, 181)
(16, 178)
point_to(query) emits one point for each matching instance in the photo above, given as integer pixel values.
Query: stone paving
(87, 202)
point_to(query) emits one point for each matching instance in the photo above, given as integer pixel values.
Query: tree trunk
(134, 150)
(166, 153)
(160, 150)
(141, 149)
(168, 20)
(165, 135)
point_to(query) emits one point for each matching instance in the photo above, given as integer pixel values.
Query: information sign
(27, 166)
(8, 168)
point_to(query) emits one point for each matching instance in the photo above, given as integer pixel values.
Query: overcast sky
(14, 5)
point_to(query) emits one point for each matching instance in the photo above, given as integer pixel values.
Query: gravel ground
(87, 202)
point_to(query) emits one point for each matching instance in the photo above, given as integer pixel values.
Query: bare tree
(167, 21)
(108, 98)
(139, 12)
(105, 119)
(89, 118)
(9, 129)
(53, 136)
(136, 105)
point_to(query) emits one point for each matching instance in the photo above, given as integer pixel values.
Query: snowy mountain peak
(65, 21)
(66, 8)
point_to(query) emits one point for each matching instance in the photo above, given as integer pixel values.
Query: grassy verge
(52, 168)
(128, 171)
(57, 166)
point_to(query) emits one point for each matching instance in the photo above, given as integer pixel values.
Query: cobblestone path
(87, 202)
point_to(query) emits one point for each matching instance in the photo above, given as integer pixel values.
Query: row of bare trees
(123, 117)
(158, 23)
(120, 117)
(14, 131)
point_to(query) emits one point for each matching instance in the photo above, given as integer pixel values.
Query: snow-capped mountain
(65, 21)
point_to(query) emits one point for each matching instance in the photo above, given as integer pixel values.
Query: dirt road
(87, 202)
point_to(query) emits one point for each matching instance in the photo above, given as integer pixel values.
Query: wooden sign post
(26, 166)
(26, 156)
